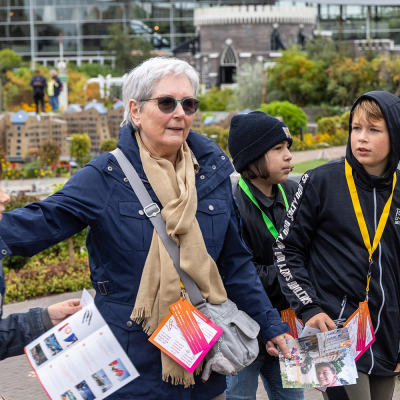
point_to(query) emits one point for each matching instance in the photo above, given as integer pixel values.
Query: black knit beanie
(252, 135)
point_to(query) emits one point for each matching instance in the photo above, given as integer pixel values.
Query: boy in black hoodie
(324, 250)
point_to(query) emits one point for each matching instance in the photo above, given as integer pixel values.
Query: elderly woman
(187, 175)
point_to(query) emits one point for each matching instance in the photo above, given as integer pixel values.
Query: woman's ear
(134, 110)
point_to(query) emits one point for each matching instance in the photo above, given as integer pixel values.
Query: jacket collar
(215, 165)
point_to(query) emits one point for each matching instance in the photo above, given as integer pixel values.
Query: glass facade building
(32, 27)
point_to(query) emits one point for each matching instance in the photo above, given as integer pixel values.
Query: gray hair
(143, 79)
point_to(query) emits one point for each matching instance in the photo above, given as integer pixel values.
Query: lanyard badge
(361, 220)
(267, 221)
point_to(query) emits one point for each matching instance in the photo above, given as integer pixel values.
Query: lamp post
(62, 74)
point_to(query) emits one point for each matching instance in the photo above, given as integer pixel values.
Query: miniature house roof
(97, 106)
(20, 117)
(118, 104)
(73, 108)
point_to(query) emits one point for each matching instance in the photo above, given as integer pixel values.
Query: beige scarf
(160, 283)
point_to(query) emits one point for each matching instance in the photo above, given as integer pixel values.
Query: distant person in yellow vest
(54, 87)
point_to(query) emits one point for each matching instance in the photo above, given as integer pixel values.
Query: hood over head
(390, 107)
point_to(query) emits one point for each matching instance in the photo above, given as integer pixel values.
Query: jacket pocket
(135, 228)
(213, 218)
(144, 355)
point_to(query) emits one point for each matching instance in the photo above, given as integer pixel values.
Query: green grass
(303, 167)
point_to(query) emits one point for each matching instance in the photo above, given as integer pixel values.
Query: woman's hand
(397, 370)
(58, 312)
(281, 342)
(322, 322)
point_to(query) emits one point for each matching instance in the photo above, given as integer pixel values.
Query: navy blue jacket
(38, 89)
(18, 330)
(118, 242)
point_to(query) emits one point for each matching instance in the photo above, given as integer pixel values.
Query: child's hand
(322, 322)
(58, 312)
(397, 370)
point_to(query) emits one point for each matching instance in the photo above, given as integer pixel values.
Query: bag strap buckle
(153, 212)
(105, 293)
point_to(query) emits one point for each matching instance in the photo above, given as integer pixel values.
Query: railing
(254, 14)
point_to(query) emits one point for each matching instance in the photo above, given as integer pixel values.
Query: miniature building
(115, 116)
(92, 120)
(27, 131)
(5, 122)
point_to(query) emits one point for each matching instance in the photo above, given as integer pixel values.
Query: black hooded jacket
(321, 256)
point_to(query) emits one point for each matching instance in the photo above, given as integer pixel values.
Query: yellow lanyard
(361, 220)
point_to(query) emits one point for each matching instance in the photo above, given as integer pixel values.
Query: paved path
(334, 153)
(15, 384)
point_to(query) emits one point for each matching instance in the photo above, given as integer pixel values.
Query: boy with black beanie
(259, 145)
(340, 246)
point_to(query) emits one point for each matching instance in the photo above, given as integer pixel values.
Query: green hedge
(46, 276)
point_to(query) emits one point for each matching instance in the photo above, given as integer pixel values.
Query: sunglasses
(167, 104)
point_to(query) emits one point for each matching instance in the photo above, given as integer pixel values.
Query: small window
(18, 147)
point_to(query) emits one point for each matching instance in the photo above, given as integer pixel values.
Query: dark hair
(256, 169)
(326, 364)
(37, 71)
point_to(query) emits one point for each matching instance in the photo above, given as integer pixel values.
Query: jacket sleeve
(243, 284)
(28, 230)
(291, 251)
(18, 330)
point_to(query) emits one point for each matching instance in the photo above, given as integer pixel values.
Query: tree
(293, 116)
(8, 61)
(323, 49)
(80, 146)
(128, 52)
(217, 100)
(50, 153)
(17, 89)
(303, 81)
(108, 145)
(249, 85)
(76, 93)
(349, 79)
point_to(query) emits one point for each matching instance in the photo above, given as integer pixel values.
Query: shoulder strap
(152, 211)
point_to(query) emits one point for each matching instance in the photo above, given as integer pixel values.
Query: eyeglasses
(167, 104)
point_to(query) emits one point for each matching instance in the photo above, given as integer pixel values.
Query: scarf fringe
(140, 314)
(178, 380)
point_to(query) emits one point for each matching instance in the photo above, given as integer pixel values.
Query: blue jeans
(244, 385)
(53, 102)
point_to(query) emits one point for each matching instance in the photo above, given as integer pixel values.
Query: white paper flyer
(80, 358)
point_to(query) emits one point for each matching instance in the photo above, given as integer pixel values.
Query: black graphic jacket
(259, 240)
(320, 255)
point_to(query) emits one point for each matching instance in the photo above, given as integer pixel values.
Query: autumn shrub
(328, 125)
(344, 121)
(48, 275)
